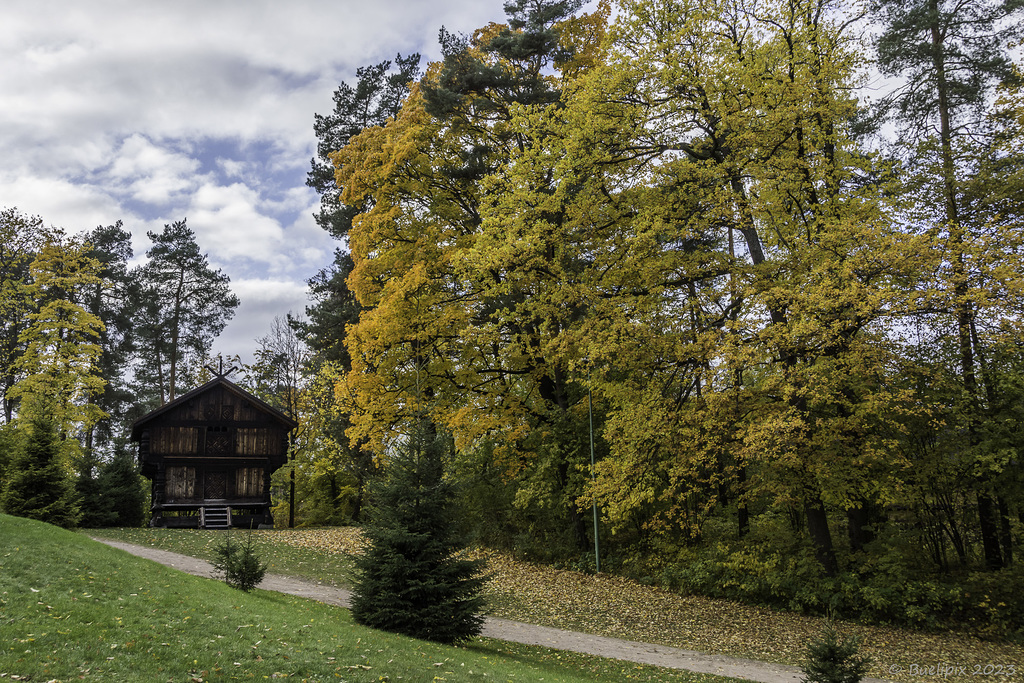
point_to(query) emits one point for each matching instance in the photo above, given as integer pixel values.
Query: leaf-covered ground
(622, 608)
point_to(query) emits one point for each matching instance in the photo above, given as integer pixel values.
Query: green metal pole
(590, 409)
(291, 496)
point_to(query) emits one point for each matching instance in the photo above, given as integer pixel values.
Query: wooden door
(216, 485)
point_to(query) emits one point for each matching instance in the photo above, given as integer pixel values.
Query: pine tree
(831, 660)
(95, 512)
(38, 484)
(376, 96)
(412, 578)
(115, 302)
(121, 487)
(240, 565)
(951, 55)
(185, 305)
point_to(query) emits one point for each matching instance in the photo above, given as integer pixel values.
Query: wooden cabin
(210, 454)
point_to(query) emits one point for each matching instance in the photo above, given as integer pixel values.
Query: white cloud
(262, 300)
(153, 112)
(152, 174)
(253, 69)
(228, 224)
(60, 202)
(235, 169)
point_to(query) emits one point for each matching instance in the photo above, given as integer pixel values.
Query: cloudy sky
(150, 112)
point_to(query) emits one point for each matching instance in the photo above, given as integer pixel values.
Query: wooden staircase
(218, 517)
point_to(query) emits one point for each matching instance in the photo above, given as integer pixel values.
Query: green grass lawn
(289, 559)
(74, 609)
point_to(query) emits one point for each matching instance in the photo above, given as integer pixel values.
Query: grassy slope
(72, 609)
(621, 608)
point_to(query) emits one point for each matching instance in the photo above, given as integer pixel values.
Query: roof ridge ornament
(221, 373)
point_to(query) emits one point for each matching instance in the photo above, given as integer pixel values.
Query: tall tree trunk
(1005, 531)
(817, 527)
(860, 525)
(160, 372)
(987, 518)
(989, 522)
(814, 510)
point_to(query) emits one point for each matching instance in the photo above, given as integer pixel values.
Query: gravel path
(514, 631)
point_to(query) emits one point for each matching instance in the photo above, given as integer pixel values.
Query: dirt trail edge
(514, 631)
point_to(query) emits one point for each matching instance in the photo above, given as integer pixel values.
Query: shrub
(883, 590)
(240, 565)
(831, 660)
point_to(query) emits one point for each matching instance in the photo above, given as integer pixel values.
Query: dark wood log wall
(181, 484)
(184, 484)
(226, 432)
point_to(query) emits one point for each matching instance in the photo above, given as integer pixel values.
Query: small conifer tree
(239, 564)
(831, 660)
(412, 579)
(38, 485)
(91, 503)
(121, 487)
(115, 497)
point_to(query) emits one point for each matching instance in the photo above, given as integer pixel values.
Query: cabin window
(218, 441)
(181, 483)
(249, 482)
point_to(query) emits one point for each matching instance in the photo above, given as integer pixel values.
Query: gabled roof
(263, 406)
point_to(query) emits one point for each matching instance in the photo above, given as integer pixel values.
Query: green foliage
(90, 498)
(115, 496)
(884, 588)
(805, 384)
(185, 305)
(330, 470)
(324, 492)
(115, 302)
(831, 660)
(989, 604)
(240, 564)
(122, 486)
(38, 484)
(412, 578)
(10, 444)
(485, 498)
